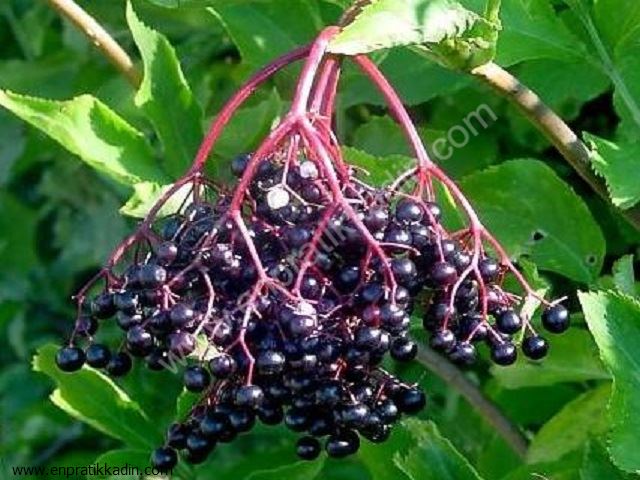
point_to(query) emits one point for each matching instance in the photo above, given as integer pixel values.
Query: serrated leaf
(614, 321)
(534, 213)
(618, 164)
(431, 456)
(89, 129)
(597, 464)
(572, 357)
(93, 398)
(145, 196)
(166, 98)
(581, 419)
(624, 276)
(447, 30)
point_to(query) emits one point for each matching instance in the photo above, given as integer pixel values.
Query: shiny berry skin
(556, 319)
(239, 164)
(535, 347)
(164, 459)
(296, 419)
(504, 354)
(119, 365)
(388, 411)
(181, 314)
(139, 341)
(270, 413)
(403, 350)
(198, 444)
(342, 444)
(408, 211)
(270, 362)
(302, 326)
(222, 366)
(166, 252)
(433, 213)
(177, 435)
(242, 420)
(181, 344)
(215, 425)
(103, 306)
(443, 341)
(508, 322)
(376, 219)
(354, 415)
(308, 448)
(98, 355)
(489, 269)
(250, 396)
(70, 359)
(196, 379)
(151, 276)
(367, 338)
(404, 270)
(410, 400)
(443, 274)
(463, 354)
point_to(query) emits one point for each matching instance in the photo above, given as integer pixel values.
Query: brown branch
(485, 407)
(574, 151)
(100, 38)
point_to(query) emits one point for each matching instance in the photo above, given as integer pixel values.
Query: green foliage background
(100, 152)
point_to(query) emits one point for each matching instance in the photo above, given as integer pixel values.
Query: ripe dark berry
(403, 350)
(388, 411)
(508, 322)
(489, 269)
(239, 163)
(302, 325)
(164, 459)
(296, 419)
(215, 425)
(354, 415)
(177, 435)
(404, 270)
(250, 396)
(98, 355)
(166, 252)
(181, 315)
(463, 354)
(270, 413)
(151, 276)
(270, 362)
(70, 359)
(119, 365)
(126, 302)
(535, 347)
(348, 279)
(103, 306)
(408, 211)
(196, 379)
(368, 338)
(556, 319)
(242, 419)
(181, 344)
(198, 444)
(139, 341)
(342, 444)
(410, 400)
(376, 219)
(504, 353)
(443, 341)
(222, 366)
(433, 213)
(443, 274)
(308, 448)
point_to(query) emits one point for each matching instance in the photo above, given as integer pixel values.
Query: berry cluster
(283, 296)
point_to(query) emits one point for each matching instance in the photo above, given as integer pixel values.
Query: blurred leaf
(185, 401)
(296, 471)
(380, 136)
(597, 464)
(579, 420)
(432, 456)
(264, 30)
(534, 213)
(624, 277)
(165, 97)
(93, 398)
(618, 164)
(381, 171)
(533, 30)
(17, 242)
(119, 458)
(88, 128)
(572, 358)
(614, 320)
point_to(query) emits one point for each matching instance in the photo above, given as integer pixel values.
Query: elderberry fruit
(535, 347)
(98, 355)
(556, 319)
(70, 359)
(504, 353)
(308, 448)
(196, 379)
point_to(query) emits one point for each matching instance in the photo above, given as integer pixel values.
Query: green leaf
(119, 458)
(533, 30)
(380, 171)
(145, 196)
(431, 456)
(573, 357)
(89, 129)
(186, 400)
(264, 30)
(93, 398)
(295, 471)
(597, 464)
(18, 241)
(579, 420)
(165, 97)
(624, 277)
(533, 212)
(614, 321)
(618, 164)
(443, 29)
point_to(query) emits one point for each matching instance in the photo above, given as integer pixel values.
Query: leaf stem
(574, 151)
(485, 407)
(100, 38)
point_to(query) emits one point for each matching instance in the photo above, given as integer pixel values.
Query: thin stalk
(100, 38)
